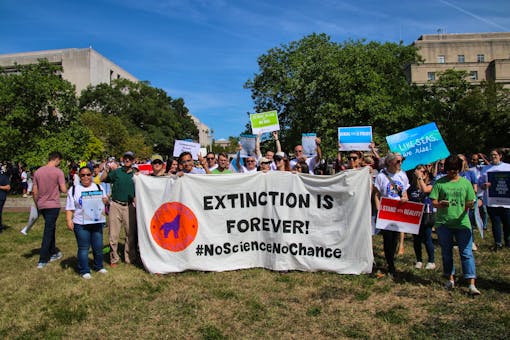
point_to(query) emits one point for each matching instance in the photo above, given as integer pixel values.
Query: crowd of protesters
(450, 189)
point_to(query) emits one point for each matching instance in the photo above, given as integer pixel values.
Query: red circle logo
(174, 226)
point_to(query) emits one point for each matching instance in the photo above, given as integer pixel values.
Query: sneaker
(87, 276)
(473, 290)
(102, 271)
(430, 265)
(41, 265)
(449, 285)
(56, 257)
(24, 231)
(25, 195)
(474, 247)
(418, 265)
(497, 247)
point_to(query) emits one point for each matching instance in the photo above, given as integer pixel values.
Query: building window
(473, 75)
(480, 58)
(431, 75)
(441, 59)
(460, 58)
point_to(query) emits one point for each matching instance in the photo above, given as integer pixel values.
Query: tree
(33, 102)
(317, 85)
(145, 112)
(471, 118)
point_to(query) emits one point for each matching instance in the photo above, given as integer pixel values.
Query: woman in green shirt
(453, 196)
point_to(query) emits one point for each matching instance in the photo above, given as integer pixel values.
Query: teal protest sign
(421, 145)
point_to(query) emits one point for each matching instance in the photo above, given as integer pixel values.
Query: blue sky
(204, 51)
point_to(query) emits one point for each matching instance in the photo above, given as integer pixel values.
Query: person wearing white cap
(158, 166)
(269, 153)
(264, 164)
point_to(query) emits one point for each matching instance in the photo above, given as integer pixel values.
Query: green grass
(55, 303)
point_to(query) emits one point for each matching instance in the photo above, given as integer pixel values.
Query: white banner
(275, 220)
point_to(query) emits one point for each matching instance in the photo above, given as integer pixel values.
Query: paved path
(21, 204)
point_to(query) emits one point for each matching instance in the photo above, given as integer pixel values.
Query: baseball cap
(129, 154)
(156, 158)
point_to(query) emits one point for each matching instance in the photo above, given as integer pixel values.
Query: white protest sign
(181, 146)
(248, 145)
(308, 143)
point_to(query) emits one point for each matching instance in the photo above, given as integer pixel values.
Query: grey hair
(391, 157)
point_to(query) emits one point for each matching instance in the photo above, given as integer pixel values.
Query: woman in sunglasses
(392, 183)
(85, 216)
(354, 160)
(301, 167)
(264, 164)
(282, 162)
(419, 191)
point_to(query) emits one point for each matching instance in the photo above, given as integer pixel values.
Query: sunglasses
(157, 163)
(398, 162)
(85, 175)
(210, 158)
(250, 161)
(352, 158)
(278, 158)
(297, 151)
(267, 163)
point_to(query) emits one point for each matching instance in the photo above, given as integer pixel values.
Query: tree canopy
(145, 112)
(40, 113)
(318, 85)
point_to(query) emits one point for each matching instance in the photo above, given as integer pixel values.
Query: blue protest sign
(355, 138)
(421, 145)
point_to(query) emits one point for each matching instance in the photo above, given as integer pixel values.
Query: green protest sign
(264, 122)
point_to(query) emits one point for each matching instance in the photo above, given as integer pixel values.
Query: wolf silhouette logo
(174, 226)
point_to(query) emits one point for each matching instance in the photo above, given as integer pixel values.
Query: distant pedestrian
(49, 181)
(5, 186)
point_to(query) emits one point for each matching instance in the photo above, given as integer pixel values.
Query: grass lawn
(56, 302)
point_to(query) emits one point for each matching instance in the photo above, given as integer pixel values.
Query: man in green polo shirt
(222, 165)
(122, 209)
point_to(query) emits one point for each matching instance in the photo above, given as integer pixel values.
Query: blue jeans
(425, 237)
(465, 242)
(48, 246)
(88, 235)
(500, 215)
(2, 202)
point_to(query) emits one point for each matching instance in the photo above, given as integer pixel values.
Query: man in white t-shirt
(312, 161)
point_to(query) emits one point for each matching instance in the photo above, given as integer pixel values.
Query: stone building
(485, 56)
(83, 67)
